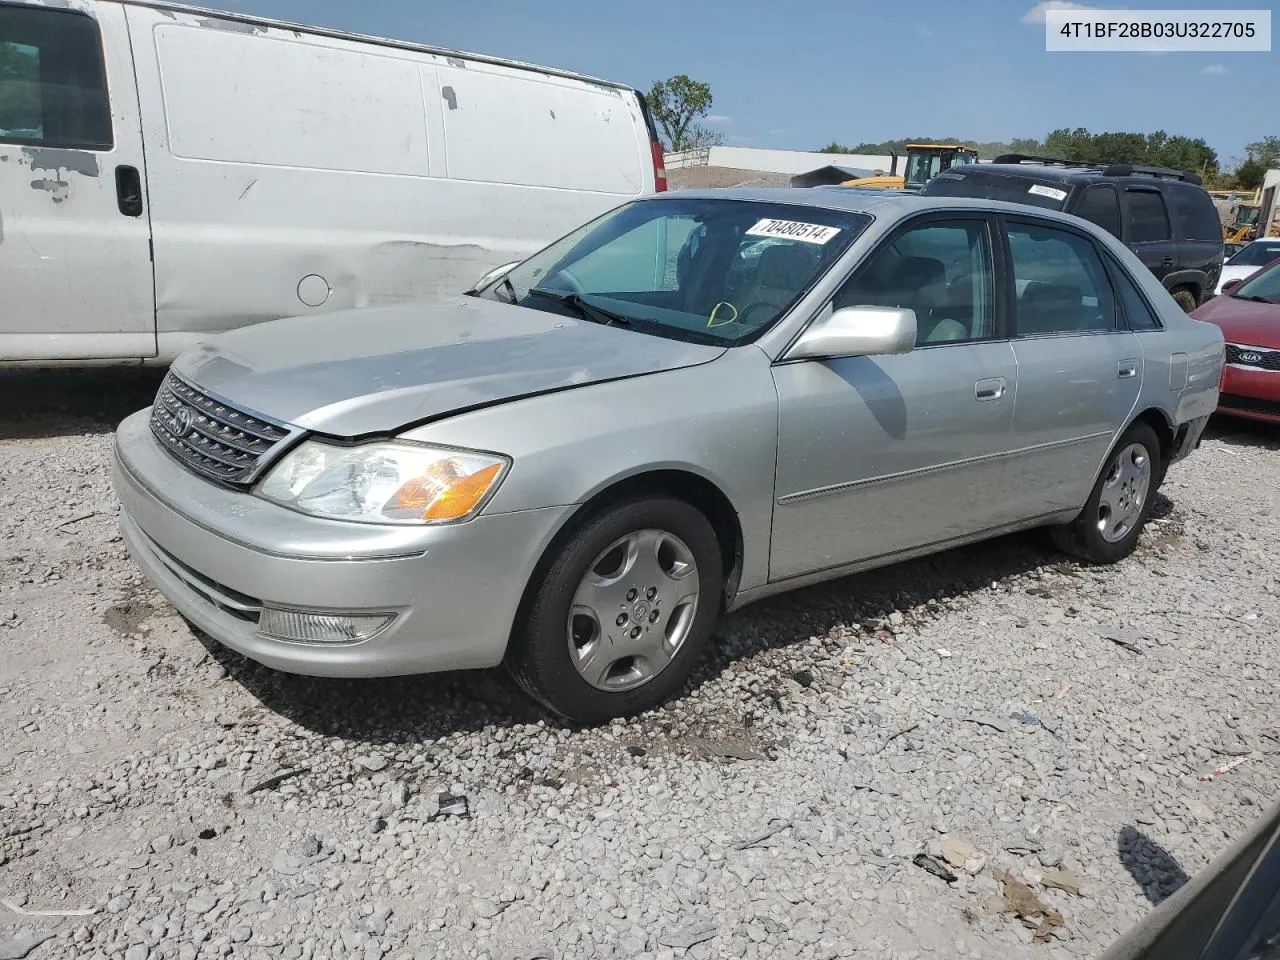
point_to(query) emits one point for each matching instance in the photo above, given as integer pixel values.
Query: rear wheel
(1108, 528)
(1185, 297)
(623, 613)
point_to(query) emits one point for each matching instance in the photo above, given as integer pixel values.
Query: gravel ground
(202, 806)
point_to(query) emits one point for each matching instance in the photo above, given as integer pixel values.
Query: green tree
(676, 103)
(1265, 151)
(1250, 174)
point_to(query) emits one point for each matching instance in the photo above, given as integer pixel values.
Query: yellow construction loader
(924, 162)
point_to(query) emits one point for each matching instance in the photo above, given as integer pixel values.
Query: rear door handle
(992, 389)
(1127, 369)
(129, 191)
(1166, 262)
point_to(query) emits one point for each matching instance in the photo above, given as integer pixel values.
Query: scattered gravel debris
(785, 805)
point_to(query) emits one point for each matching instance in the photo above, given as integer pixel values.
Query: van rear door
(76, 242)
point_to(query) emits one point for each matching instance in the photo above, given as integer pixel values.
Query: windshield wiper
(585, 310)
(1254, 299)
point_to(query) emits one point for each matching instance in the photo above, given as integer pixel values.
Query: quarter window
(1137, 311)
(1148, 216)
(1101, 205)
(1196, 214)
(942, 271)
(53, 88)
(1060, 283)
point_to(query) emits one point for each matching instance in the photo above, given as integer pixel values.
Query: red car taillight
(659, 167)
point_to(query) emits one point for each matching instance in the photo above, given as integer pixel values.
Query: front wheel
(1108, 528)
(623, 613)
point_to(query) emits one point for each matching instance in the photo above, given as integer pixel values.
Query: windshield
(991, 186)
(707, 270)
(1263, 286)
(1257, 254)
(922, 167)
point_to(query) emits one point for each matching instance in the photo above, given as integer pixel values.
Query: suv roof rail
(1164, 173)
(1050, 161)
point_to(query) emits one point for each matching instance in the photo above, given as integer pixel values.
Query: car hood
(1243, 321)
(357, 372)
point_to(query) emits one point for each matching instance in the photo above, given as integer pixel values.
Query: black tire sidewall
(1093, 546)
(539, 655)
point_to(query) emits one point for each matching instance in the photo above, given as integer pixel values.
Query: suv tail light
(659, 166)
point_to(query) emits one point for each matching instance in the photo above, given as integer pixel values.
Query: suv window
(1059, 282)
(1197, 217)
(53, 88)
(941, 269)
(1101, 205)
(1148, 216)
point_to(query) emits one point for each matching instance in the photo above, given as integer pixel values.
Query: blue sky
(796, 77)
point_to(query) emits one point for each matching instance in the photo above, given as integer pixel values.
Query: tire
(1185, 298)
(1108, 528)
(610, 631)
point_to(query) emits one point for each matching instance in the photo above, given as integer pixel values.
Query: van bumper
(222, 557)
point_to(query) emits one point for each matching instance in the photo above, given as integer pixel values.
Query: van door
(75, 242)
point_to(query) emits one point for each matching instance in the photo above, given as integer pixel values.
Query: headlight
(384, 482)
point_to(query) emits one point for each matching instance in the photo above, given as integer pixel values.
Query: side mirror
(494, 274)
(857, 332)
(1230, 285)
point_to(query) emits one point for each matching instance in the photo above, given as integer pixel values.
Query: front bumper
(218, 555)
(1250, 393)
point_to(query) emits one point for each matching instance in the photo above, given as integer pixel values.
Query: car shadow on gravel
(57, 403)
(424, 708)
(1152, 867)
(1239, 432)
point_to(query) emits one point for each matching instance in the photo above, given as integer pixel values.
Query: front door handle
(1127, 369)
(992, 389)
(1166, 262)
(129, 191)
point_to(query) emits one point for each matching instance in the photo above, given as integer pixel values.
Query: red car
(1248, 311)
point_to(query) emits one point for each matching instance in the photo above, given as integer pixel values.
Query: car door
(75, 246)
(1149, 234)
(878, 455)
(1079, 371)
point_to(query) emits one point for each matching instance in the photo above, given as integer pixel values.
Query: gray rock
(19, 946)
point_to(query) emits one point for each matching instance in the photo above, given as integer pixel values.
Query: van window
(53, 87)
(291, 104)
(1101, 205)
(1197, 217)
(1149, 218)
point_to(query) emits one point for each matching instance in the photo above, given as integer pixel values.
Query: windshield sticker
(1051, 192)
(794, 230)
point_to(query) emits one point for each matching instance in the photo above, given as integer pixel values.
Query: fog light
(299, 627)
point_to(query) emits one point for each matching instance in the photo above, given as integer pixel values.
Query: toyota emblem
(1250, 357)
(182, 421)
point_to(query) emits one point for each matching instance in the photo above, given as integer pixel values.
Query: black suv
(1163, 216)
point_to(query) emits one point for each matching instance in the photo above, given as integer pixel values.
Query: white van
(167, 172)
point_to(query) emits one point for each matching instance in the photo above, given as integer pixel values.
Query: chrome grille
(212, 438)
(1263, 358)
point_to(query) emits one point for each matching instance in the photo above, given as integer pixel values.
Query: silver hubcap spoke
(633, 610)
(1124, 493)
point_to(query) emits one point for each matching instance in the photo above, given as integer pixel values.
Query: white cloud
(718, 120)
(1036, 13)
(1214, 70)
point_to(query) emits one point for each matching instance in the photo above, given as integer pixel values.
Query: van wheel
(1185, 298)
(623, 613)
(1107, 530)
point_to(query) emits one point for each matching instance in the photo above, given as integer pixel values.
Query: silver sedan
(695, 401)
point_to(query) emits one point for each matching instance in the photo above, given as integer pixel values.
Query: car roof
(889, 204)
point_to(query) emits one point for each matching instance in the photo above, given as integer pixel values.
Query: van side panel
(294, 173)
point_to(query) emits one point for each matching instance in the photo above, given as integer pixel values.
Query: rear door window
(1101, 205)
(53, 87)
(1060, 284)
(1148, 216)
